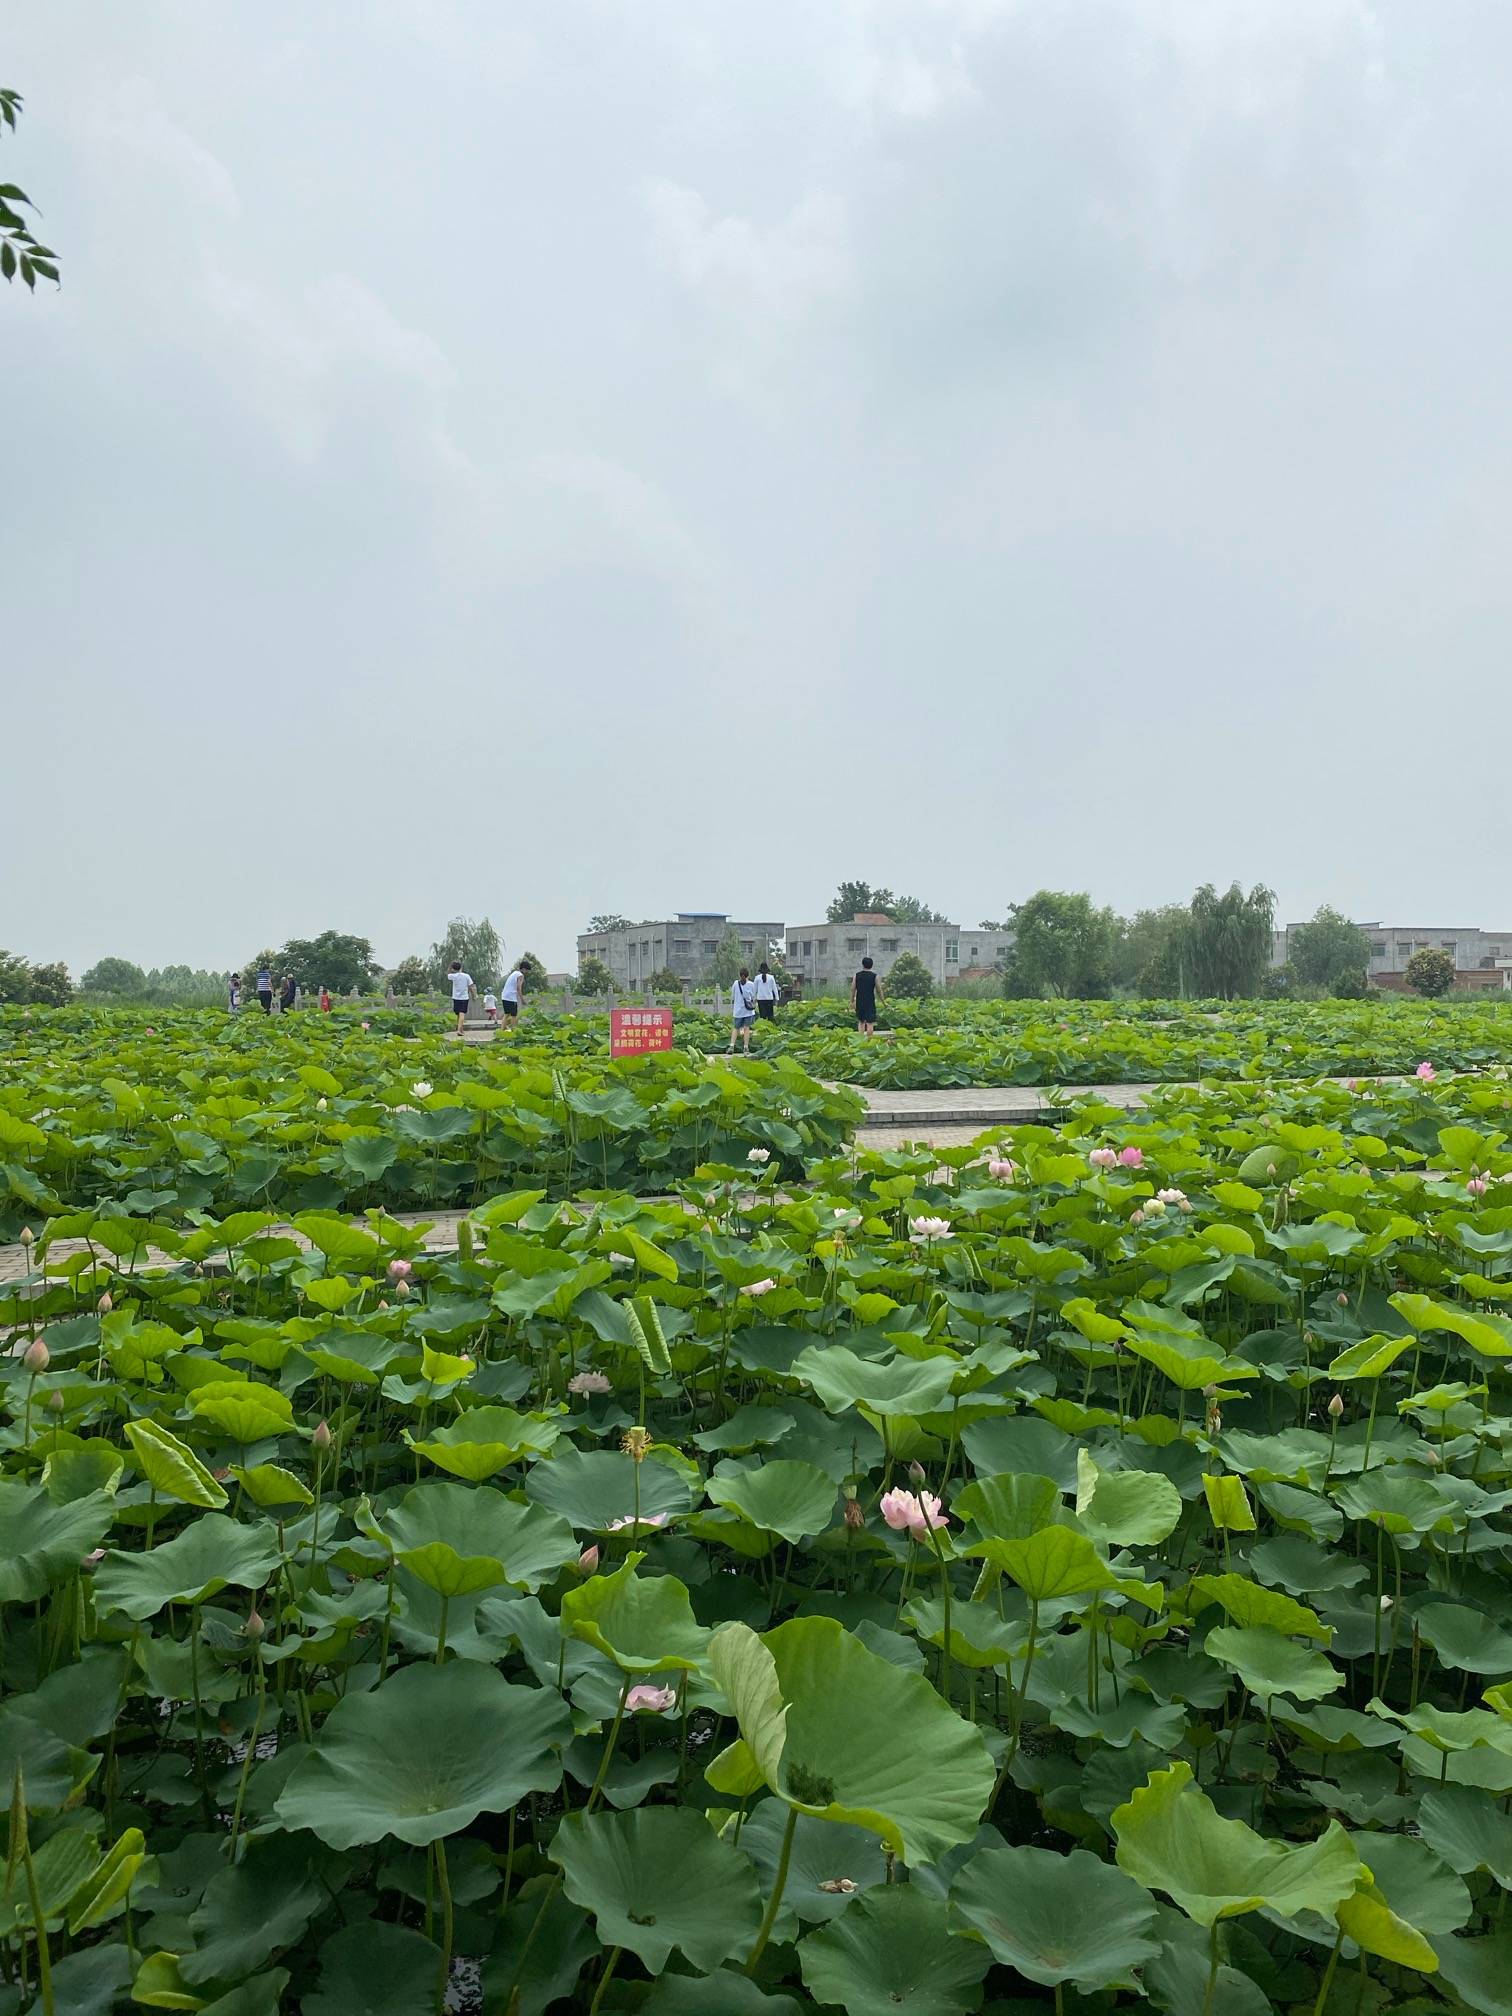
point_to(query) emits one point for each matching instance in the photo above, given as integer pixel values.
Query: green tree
(854, 899)
(594, 977)
(608, 920)
(1147, 956)
(20, 251)
(114, 976)
(727, 961)
(50, 986)
(1430, 972)
(909, 979)
(1327, 948)
(914, 910)
(665, 982)
(15, 978)
(476, 945)
(1227, 944)
(1063, 945)
(185, 987)
(531, 967)
(335, 959)
(410, 977)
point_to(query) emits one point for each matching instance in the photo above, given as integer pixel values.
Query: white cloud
(779, 270)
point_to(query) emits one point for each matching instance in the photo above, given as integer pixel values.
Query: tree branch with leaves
(21, 251)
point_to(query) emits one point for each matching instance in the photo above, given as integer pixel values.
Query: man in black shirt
(864, 998)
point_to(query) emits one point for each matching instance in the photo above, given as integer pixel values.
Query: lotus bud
(1386, 1602)
(383, 1304)
(1432, 1458)
(855, 1518)
(1336, 1406)
(105, 1304)
(1136, 1217)
(588, 1561)
(402, 1291)
(636, 1442)
(399, 1270)
(916, 1473)
(322, 1435)
(93, 1560)
(36, 1357)
(1342, 1299)
(1270, 1168)
(55, 1401)
(254, 1627)
(28, 1237)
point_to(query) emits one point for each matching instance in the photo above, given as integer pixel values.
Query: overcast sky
(561, 456)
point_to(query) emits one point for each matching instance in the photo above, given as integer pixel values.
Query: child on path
(325, 999)
(742, 1012)
(491, 1005)
(462, 991)
(235, 992)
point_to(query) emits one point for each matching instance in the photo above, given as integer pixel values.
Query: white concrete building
(826, 955)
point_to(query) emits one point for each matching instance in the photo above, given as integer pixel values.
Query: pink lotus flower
(1104, 1158)
(1426, 1072)
(399, 1269)
(93, 1560)
(759, 1287)
(650, 1519)
(588, 1382)
(1176, 1197)
(367, 1025)
(1132, 1157)
(927, 1231)
(1477, 1186)
(913, 1515)
(650, 1700)
(588, 1561)
(1003, 1170)
(1136, 1216)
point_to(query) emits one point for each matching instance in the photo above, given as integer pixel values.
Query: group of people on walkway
(287, 995)
(506, 1003)
(754, 999)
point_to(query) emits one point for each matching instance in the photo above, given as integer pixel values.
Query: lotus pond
(1065, 1574)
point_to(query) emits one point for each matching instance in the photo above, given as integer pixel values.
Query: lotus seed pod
(36, 1357)
(855, 1518)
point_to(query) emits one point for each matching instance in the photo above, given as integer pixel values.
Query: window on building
(1448, 945)
(748, 945)
(808, 946)
(682, 944)
(1378, 951)
(711, 944)
(888, 944)
(953, 952)
(821, 945)
(855, 944)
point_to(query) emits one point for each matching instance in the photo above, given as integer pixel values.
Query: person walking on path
(742, 1012)
(235, 992)
(863, 997)
(512, 993)
(767, 992)
(491, 1004)
(462, 991)
(265, 989)
(290, 995)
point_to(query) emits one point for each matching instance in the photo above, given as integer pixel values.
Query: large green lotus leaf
(1446, 1730)
(1414, 1882)
(1056, 1562)
(245, 1412)
(92, 1981)
(1057, 1917)
(42, 1541)
(1398, 1503)
(820, 1854)
(844, 1734)
(424, 1754)
(1246, 1604)
(1176, 1982)
(727, 1992)
(658, 1879)
(1228, 1504)
(1288, 1561)
(268, 1484)
(978, 1635)
(597, 1489)
(644, 1623)
(376, 1969)
(214, 1553)
(79, 1702)
(172, 1470)
(71, 1474)
(894, 1950)
(1125, 1508)
(253, 1911)
(459, 1538)
(1466, 1828)
(790, 1499)
(59, 1866)
(1479, 1971)
(898, 1386)
(1329, 1728)
(1371, 1358)
(1490, 1335)
(541, 1944)
(1171, 1837)
(1269, 1663)
(1010, 1507)
(1465, 1639)
(52, 1771)
(484, 1440)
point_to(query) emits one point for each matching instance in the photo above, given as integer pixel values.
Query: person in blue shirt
(265, 989)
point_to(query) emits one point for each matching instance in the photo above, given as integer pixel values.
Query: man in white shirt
(462, 991)
(512, 993)
(768, 992)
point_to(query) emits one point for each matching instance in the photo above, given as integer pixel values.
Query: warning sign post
(635, 1032)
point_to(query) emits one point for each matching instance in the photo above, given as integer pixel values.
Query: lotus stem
(774, 1902)
(1212, 1980)
(604, 1978)
(609, 1747)
(444, 1971)
(1328, 1975)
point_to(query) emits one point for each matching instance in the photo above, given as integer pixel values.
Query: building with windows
(826, 955)
(684, 945)
(1481, 958)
